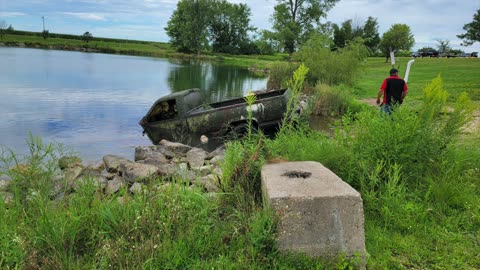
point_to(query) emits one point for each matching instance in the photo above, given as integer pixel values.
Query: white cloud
(86, 16)
(11, 14)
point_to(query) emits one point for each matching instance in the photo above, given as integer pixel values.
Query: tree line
(223, 27)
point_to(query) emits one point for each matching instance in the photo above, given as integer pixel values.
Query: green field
(418, 172)
(458, 74)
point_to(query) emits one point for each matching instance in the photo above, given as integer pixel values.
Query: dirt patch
(369, 101)
(474, 125)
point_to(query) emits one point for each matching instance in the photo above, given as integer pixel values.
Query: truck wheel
(240, 131)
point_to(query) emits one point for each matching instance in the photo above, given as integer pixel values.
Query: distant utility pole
(43, 19)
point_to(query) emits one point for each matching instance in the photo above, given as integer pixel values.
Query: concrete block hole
(297, 174)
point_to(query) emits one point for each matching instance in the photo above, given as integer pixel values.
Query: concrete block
(319, 214)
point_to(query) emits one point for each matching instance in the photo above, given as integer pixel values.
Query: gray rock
(98, 182)
(69, 162)
(217, 171)
(72, 173)
(177, 148)
(149, 152)
(209, 183)
(167, 170)
(196, 157)
(107, 175)
(93, 170)
(153, 161)
(164, 151)
(220, 151)
(183, 167)
(133, 172)
(112, 162)
(217, 160)
(205, 170)
(7, 197)
(137, 189)
(113, 186)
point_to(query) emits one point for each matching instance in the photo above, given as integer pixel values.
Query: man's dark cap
(393, 71)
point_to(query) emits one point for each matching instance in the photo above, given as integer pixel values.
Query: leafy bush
(332, 67)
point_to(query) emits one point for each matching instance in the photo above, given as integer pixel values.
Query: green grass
(458, 74)
(417, 172)
(152, 49)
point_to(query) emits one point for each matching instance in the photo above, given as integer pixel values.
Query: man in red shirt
(393, 89)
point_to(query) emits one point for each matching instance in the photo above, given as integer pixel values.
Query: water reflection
(219, 82)
(93, 102)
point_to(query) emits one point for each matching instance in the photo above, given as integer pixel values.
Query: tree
(87, 36)
(348, 32)
(398, 37)
(267, 43)
(45, 34)
(229, 27)
(370, 34)
(443, 46)
(188, 25)
(473, 31)
(295, 20)
(3, 28)
(345, 34)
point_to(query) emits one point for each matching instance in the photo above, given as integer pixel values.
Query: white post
(408, 70)
(392, 58)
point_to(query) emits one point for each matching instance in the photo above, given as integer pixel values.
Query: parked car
(474, 54)
(416, 54)
(430, 53)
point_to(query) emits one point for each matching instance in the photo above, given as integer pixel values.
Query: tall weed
(334, 101)
(279, 74)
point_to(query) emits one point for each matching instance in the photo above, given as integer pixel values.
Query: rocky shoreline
(157, 166)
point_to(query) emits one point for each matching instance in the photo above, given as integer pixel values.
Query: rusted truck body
(185, 114)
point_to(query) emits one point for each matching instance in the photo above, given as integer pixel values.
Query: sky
(429, 20)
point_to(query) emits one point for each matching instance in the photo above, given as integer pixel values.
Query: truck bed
(236, 101)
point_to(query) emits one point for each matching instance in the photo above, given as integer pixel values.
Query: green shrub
(332, 67)
(417, 142)
(334, 101)
(280, 72)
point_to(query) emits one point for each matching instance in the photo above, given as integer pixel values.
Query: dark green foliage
(472, 29)
(398, 37)
(45, 34)
(327, 67)
(195, 25)
(348, 32)
(370, 34)
(87, 36)
(229, 27)
(295, 21)
(188, 25)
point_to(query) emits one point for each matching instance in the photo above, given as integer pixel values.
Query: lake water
(93, 102)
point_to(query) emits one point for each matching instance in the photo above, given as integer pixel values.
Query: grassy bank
(140, 48)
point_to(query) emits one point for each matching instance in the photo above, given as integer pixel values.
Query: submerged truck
(186, 114)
